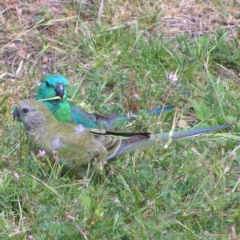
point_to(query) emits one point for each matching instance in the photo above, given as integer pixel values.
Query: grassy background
(189, 190)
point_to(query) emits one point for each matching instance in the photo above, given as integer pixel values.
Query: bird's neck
(62, 111)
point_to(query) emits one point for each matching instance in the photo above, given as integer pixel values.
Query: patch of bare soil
(192, 17)
(22, 23)
(200, 19)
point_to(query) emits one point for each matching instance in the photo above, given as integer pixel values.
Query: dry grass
(31, 29)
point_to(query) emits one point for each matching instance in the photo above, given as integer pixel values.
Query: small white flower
(172, 77)
(16, 230)
(135, 96)
(15, 174)
(42, 153)
(116, 200)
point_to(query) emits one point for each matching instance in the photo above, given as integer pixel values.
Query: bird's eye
(25, 110)
(47, 84)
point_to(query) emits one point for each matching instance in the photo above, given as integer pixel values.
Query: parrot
(79, 149)
(55, 85)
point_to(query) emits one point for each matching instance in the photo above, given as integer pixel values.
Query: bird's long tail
(124, 118)
(161, 138)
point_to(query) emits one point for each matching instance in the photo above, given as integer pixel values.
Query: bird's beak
(59, 90)
(15, 113)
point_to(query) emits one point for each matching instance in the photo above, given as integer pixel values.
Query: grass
(189, 190)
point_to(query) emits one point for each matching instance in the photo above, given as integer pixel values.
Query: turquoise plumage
(64, 111)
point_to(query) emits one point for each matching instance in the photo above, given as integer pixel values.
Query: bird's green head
(53, 85)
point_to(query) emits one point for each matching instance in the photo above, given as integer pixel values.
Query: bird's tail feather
(159, 138)
(159, 110)
(123, 118)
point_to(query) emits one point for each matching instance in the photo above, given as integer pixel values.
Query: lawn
(158, 53)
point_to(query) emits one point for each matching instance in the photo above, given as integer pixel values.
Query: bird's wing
(77, 147)
(83, 117)
(80, 146)
(125, 140)
(106, 121)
